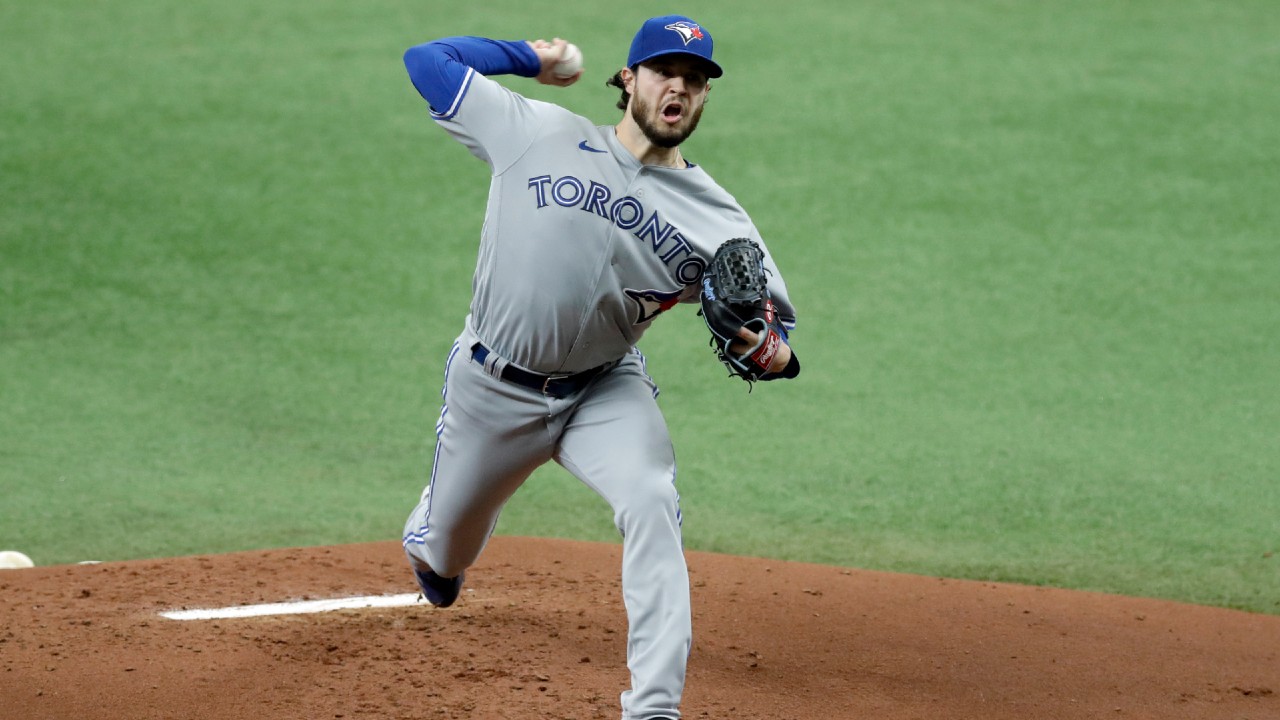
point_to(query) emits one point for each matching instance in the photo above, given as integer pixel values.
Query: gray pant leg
(617, 443)
(490, 437)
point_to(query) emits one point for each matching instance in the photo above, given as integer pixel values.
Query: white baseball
(570, 62)
(12, 560)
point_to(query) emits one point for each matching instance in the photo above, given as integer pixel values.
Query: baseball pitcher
(591, 232)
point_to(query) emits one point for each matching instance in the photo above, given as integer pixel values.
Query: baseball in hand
(570, 62)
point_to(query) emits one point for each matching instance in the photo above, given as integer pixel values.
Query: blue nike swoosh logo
(584, 146)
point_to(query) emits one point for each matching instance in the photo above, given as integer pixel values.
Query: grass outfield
(1033, 245)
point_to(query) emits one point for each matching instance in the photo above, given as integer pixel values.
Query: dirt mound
(540, 633)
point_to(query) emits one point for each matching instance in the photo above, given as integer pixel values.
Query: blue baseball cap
(671, 34)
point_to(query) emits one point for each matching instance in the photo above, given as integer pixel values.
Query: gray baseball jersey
(583, 246)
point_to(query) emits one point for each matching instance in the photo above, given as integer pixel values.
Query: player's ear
(628, 77)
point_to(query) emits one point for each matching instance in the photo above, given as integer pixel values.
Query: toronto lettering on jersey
(626, 213)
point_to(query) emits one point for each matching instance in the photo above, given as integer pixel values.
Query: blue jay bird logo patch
(688, 31)
(652, 303)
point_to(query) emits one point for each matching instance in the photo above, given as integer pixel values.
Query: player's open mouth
(672, 112)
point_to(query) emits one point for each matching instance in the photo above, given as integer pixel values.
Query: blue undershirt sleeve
(439, 68)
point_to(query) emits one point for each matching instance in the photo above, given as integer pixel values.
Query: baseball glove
(735, 296)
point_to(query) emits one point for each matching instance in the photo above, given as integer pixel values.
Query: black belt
(557, 386)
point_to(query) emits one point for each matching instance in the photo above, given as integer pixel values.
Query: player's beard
(658, 133)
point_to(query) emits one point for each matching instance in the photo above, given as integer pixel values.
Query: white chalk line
(299, 607)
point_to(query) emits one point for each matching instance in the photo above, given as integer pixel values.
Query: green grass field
(1034, 246)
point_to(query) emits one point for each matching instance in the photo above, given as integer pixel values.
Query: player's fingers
(549, 53)
(749, 340)
(746, 340)
(549, 56)
(557, 81)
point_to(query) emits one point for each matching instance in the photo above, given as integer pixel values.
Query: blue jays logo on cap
(687, 30)
(671, 34)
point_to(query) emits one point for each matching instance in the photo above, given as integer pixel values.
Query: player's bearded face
(667, 102)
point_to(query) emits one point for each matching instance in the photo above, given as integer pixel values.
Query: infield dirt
(540, 632)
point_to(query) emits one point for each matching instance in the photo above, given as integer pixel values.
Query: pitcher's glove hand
(745, 329)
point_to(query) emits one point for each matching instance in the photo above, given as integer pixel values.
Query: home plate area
(540, 632)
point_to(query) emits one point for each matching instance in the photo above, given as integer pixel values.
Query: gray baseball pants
(611, 435)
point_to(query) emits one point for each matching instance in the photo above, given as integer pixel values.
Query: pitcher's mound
(540, 632)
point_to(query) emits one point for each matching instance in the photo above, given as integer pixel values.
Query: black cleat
(439, 591)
